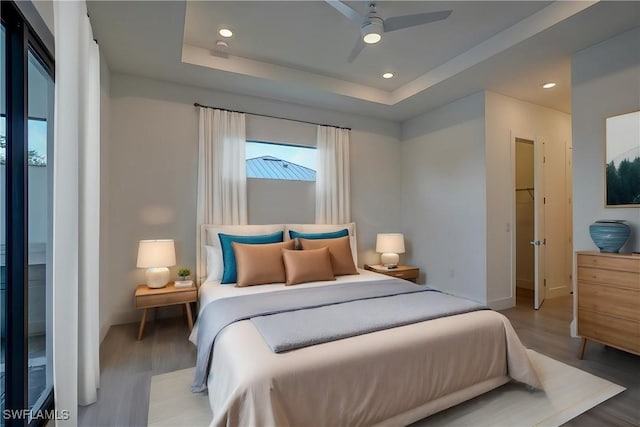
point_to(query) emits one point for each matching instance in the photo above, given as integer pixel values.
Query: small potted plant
(183, 273)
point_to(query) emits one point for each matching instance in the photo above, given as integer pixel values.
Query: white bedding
(212, 290)
(391, 377)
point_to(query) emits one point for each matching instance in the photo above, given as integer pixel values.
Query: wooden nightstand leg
(142, 322)
(583, 344)
(189, 317)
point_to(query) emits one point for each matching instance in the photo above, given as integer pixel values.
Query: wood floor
(127, 365)
(547, 331)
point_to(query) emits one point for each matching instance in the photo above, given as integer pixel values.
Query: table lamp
(390, 245)
(156, 256)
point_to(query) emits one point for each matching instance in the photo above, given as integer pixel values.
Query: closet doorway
(529, 221)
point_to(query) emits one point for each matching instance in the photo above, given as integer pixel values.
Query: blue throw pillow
(230, 272)
(315, 236)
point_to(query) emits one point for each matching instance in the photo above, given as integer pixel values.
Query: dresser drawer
(620, 333)
(159, 300)
(609, 262)
(401, 272)
(604, 299)
(407, 275)
(610, 277)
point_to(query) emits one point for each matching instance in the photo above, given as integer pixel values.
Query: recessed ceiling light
(548, 85)
(387, 75)
(225, 32)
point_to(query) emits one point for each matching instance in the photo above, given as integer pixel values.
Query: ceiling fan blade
(406, 21)
(346, 10)
(356, 50)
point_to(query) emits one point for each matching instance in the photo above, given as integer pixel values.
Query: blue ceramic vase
(609, 235)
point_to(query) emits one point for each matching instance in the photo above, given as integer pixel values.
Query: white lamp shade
(156, 253)
(390, 243)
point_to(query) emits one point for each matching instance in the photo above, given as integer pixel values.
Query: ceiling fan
(372, 25)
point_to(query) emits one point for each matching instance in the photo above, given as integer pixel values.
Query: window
(267, 160)
(37, 151)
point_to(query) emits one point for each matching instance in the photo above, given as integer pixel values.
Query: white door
(539, 240)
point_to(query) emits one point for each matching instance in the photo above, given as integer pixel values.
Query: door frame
(540, 249)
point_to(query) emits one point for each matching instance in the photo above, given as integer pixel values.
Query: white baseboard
(502, 304)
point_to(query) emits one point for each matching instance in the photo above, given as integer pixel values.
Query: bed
(389, 377)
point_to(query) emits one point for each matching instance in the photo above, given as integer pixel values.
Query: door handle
(535, 242)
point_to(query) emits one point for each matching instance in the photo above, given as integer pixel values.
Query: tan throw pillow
(307, 266)
(340, 251)
(260, 264)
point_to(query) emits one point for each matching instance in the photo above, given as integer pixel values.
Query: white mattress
(212, 290)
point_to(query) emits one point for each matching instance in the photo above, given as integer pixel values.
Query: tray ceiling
(297, 51)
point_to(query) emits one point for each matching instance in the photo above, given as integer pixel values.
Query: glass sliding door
(26, 154)
(39, 172)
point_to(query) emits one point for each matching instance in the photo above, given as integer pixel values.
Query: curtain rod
(195, 104)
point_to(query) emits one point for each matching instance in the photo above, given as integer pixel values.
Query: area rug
(568, 393)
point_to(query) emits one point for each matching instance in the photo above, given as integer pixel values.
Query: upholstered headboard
(209, 237)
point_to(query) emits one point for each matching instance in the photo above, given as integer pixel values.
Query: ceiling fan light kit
(372, 30)
(372, 26)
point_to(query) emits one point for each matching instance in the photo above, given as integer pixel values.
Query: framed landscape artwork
(622, 153)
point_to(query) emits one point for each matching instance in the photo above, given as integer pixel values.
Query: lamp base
(157, 277)
(389, 260)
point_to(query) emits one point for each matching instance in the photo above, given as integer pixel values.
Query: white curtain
(76, 210)
(333, 195)
(222, 179)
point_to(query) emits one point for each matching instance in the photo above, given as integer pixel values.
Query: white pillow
(213, 252)
(214, 263)
(323, 228)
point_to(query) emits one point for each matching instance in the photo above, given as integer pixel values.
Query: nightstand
(147, 297)
(401, 272)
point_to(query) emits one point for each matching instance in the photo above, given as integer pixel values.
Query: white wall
(152, 161)
(443, 196)
(605, 82)
(458, 203)
(507, 118)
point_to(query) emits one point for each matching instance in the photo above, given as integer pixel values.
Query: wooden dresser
(609, 300)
